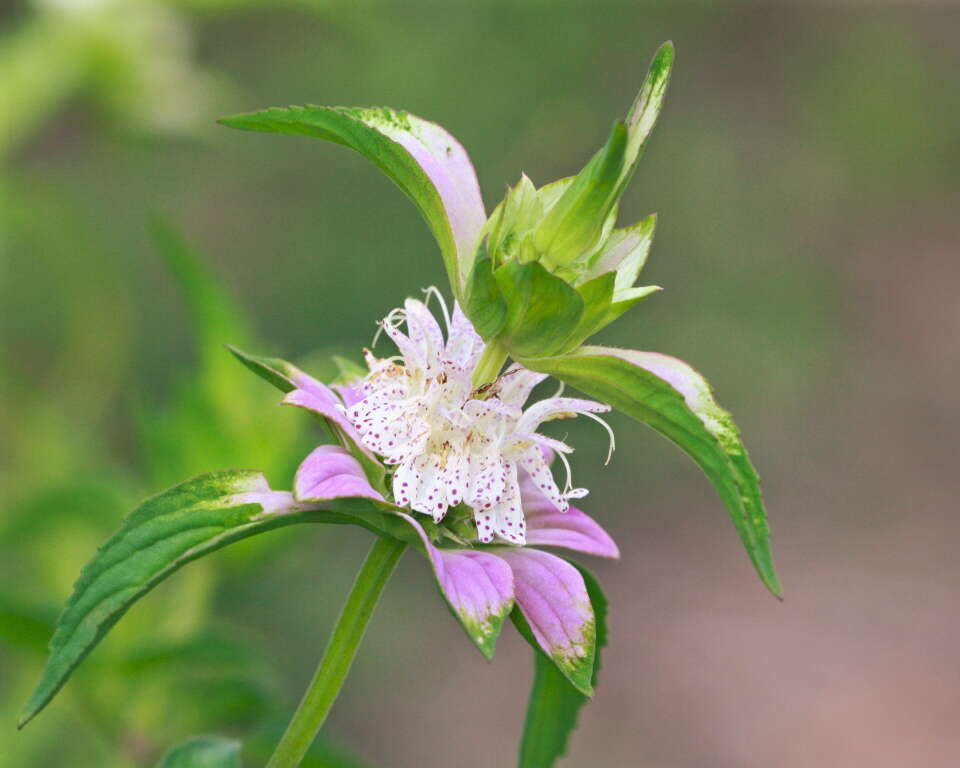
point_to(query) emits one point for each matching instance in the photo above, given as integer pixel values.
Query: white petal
(488, 481)
(516, 384)
(508, 513)
(542, 478)
(431, 497)
(456, 479)
(464, 345)
(406, 483)
(412, 353)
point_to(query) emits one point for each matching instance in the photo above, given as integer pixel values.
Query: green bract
(674, 399)
(576, 267)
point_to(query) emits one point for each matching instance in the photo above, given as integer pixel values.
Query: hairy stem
(339, 653)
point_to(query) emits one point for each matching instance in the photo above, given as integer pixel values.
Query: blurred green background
(805, 172)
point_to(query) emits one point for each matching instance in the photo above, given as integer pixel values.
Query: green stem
(339, 653)
(490, 364)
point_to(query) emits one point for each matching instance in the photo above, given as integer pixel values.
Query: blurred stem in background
(339, 653)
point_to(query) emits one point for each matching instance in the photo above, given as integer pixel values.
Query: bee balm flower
(453, 443)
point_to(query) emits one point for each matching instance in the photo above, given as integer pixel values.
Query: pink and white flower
(452, 443)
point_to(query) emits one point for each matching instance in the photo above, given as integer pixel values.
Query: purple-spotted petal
(478, 587)
(330, 472)
(537, 473)
(464, 346)
(516, 384)
(553, 599)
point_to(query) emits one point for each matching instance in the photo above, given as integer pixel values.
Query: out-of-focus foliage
(802, 174)
(171, 669)
(133, 56)
(203, 752)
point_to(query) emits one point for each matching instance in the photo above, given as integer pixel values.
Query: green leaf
(421, 158)
(554, 703)
(163, 534)
(203, 752)
(670, 396)
(573, 226)
(278, 372)
(636, 242)
(542, 309)
(485, 306)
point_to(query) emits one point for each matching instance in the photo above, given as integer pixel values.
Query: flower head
(452, 443)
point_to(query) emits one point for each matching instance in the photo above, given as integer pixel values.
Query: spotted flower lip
(454, 444)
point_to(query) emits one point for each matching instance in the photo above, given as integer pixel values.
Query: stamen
(394, 319)
(613, 441)
(434, 291)
(568, 485)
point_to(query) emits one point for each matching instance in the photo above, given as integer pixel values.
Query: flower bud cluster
(552, 269)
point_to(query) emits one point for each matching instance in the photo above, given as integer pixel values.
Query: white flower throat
(451, 443)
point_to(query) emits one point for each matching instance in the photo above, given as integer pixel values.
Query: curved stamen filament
(568, 483)
(613, 440)
(434, 291)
